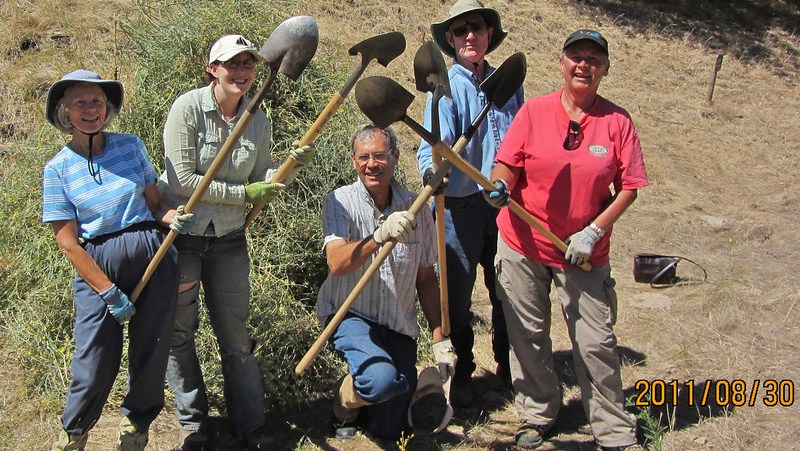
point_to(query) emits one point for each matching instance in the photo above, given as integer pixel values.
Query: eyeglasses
(574, 136)
(236, 65)
(462, 30)
(590, 60)
(377, 156)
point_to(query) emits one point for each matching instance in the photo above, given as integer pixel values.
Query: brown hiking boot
(347, 403)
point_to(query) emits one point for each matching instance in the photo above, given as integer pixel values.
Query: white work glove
(580, 246)
(397, 227)
(303, 155)
(445, 355)
(498, 198)
(181, 221)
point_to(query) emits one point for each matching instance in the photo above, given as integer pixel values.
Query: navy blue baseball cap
(587, 35)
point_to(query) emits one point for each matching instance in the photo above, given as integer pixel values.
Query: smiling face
(470, 36)
(583, 65)
(235, 76)
(374, 161)
(86, 107)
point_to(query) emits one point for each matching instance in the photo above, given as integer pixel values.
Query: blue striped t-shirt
(108, 202)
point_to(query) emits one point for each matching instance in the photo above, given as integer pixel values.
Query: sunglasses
(462, 30)
(236, 65)
(574, 136)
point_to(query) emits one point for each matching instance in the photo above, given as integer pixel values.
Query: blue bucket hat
(112, 88)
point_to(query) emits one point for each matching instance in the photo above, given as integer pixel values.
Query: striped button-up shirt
(389, 298)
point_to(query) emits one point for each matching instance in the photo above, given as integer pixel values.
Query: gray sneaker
(530, 436)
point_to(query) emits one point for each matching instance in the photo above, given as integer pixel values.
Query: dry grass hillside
(724, 191)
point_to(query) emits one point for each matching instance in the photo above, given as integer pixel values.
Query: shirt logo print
(598, 151)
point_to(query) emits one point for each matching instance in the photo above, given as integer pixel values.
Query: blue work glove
(303, 155)
(181, 222)
(499, 197)
(261, 193)
(119, 305)
(426, 180)
(580, 246)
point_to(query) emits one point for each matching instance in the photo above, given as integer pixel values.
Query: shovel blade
(430, 70)
(290, 47)
(505, 80)
(383, 48)
(382, 100)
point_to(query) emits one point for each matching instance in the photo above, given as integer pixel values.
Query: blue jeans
(383, 365)
(123, 256)
(471, 235)
(222, 264)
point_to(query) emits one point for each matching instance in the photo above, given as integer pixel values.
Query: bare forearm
(616, 208)
(345, 257)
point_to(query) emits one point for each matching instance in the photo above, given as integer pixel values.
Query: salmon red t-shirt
(566, 189)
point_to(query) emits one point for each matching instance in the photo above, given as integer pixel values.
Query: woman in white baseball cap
(105, 224)
(214, 252)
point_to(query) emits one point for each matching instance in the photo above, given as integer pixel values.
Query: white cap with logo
(231, 45)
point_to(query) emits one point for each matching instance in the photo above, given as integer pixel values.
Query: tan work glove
(445, 355)
(397, 227)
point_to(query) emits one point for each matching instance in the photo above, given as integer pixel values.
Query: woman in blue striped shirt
(100, 196)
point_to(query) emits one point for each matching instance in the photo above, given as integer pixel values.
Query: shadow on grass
(760, 31)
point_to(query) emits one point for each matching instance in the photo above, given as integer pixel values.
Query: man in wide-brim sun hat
(468, 34)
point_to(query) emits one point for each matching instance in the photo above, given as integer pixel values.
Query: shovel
(382, 48)
(430, 75)
(384, 101)
(288, 50)
(380, 105)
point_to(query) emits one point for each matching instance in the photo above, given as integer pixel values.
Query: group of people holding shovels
(527, 175)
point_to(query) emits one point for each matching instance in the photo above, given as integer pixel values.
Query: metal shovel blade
(505, 80)
(383, 48)
(382, 100)
(290, 47)
(430, 70)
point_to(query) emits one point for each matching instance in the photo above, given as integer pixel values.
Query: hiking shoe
(193, 440)
(631, 447)
(259, 440)
(68, 442)
(461, 393)
(131, 436)
(530, 436)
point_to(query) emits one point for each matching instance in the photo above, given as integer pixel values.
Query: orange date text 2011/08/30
(718, 392)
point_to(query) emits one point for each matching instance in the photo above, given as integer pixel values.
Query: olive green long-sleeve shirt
(194, 134)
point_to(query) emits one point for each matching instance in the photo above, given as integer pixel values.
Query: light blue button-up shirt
(456, 115)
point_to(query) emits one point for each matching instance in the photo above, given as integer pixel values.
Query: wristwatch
(597, 229)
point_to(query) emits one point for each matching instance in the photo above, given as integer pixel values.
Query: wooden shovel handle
(515, 208)
(219, 160)
(441, 244)
(289, 165)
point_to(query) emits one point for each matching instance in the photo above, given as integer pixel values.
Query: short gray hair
(368, 129)
(61, 118)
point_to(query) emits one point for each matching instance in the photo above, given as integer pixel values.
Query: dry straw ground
(724, 192)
